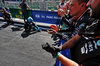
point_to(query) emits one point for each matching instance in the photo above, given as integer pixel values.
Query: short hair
(24, 0)
(82, 1)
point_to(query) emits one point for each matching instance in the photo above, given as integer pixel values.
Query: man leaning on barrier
(81, 13)
(86, 51)
(7, 16)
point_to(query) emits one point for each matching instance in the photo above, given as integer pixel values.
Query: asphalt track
(18, 48)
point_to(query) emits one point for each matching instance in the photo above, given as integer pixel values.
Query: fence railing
(46, 5)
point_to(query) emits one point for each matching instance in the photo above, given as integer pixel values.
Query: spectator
(24, 7)
(86, 51)
(62, 4)
(65, 9)
(30, 25)
(6, 16)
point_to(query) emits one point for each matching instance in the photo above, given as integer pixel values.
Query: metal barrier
(50, 17)
(38, 5)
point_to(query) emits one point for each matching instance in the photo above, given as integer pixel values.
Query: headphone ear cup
(82, 5)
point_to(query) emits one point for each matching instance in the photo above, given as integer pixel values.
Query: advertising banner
(17, 13)
(47, 17)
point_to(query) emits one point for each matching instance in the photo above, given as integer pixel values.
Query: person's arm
(8, 12)
(64, 60)
(66, 20)
(67, 62)
(52, 32)
(54, 49)
(5, 12)
(28, 7)
(59, 6)
(3, 16)
(70, 43)
(70, 29)
(20, 5)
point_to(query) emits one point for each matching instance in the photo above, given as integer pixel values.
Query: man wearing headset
(78, 9)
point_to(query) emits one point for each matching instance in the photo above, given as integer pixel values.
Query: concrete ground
(18, 48)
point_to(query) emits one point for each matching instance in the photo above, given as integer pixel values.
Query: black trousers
(25, 15)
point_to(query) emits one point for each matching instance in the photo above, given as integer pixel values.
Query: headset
(82, 5)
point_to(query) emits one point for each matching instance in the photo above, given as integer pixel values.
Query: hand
(61, 12)
(55, 27)
(52, 32)
(65, 8)
(51, 49)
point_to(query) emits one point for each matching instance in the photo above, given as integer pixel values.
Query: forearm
(28, 7)
(67, 62)
(3, 16)
(65, 20)
(70, 43)
(62, 30)
(8, 12)
(70, 29)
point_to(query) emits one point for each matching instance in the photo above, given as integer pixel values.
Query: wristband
(57, 55)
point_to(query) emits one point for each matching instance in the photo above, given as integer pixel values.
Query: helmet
(30, 19)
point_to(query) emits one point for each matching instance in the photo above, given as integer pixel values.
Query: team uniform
(30, 25)
(73, 30)
(87, 50)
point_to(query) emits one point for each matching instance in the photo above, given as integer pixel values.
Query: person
(65, 9)
(7, 16)
(87, 51)
(65, 20)
(65, 14)
(81, 13)
(30, 25)
(24, 7)
(62, 4)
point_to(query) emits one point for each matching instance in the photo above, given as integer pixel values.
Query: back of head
(24, 0)
(30, 19)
